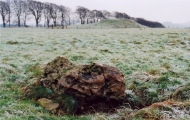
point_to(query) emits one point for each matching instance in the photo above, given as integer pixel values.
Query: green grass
(110, 24)
(122, 23)
(141, 54)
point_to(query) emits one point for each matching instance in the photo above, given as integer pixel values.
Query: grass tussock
(12, 42)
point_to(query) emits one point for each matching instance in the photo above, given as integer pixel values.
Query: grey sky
(177, 11)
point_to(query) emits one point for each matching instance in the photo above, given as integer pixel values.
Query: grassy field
(140, 53)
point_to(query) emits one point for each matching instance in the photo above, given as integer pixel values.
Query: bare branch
(36, 8)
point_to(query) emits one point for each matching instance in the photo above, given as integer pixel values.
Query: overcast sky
(176, 11)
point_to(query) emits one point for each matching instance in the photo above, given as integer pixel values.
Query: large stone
(96, 86)
(94, 81)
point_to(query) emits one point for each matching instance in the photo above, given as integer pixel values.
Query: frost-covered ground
(135, 51)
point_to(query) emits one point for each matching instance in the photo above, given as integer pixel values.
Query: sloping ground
(110, 24)
(122, 23)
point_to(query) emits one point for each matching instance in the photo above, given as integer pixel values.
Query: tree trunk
(36, 22)
(9, 20)
(4, 22)
(18, 21)
(62, 23)
(55, 23)
(69, 21)
(87, 21)
(25, 23)
(81, 21)
(48, 23)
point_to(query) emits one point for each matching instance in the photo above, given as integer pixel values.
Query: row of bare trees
(23, 10)
(5, 11)
(95, 15)
(85, 15)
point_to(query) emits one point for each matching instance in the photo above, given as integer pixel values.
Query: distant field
(134, 51)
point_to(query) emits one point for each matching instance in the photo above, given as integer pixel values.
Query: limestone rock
(93, 81)
(90, 85)
(48, 104)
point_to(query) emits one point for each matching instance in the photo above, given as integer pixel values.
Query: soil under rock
(80, 89)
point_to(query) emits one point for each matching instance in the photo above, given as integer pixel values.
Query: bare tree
(95, 12)
(106, 14)
(126, 16)
(47, 13)
(82, 12)
(62, 10)
(9, 10)
(25, 12)
(54, 13)
(36, 8)
(68, 14)
(18, 7)
(100, 15)
(97, 15)
(119, 15)
(90, 16)
(4, 11)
